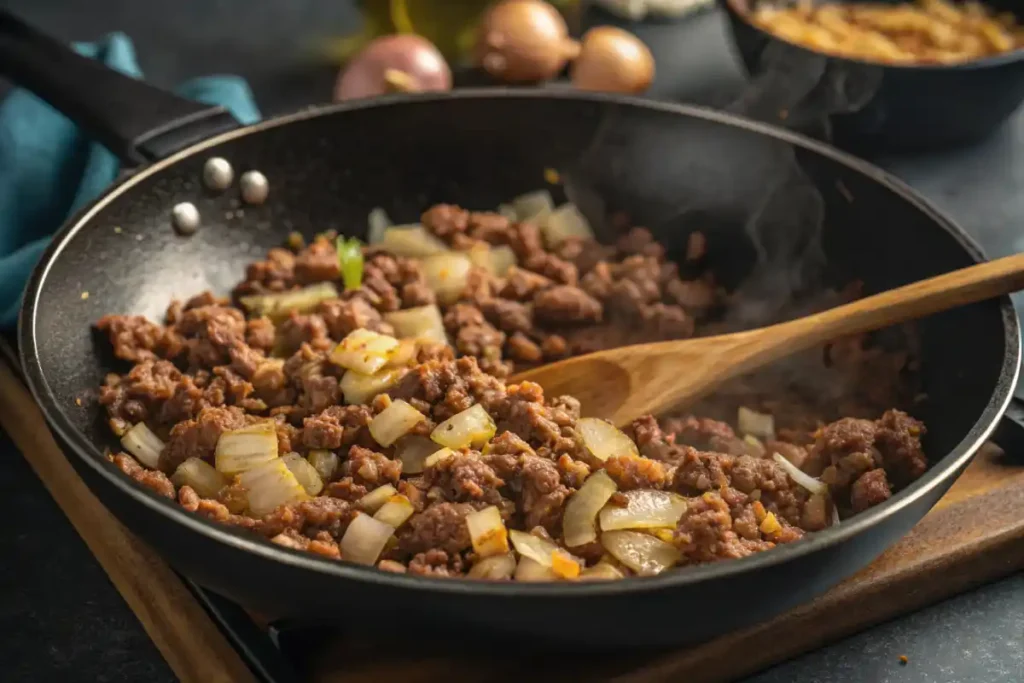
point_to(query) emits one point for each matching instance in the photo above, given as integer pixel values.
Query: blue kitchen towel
(49, 169)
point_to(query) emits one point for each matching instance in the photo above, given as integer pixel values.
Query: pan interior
(750, 193)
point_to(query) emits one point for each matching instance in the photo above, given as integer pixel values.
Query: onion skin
(394, 63)
(523, 41)
(612, 60)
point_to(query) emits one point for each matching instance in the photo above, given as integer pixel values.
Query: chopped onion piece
(364, 351)
(201, 476)
(531, 570)
(503, 257)
(494, 568)
(423, 322)
(242, 449)
(643, 553)
(146, 446)
(412, 241)
(277, 306)
(603, 440)
(471, 427)
(755, 443)
(487, 532)
(751, 423)
(359, 388)
(644, 509)
(564, 222)
(413, 451)
(395, 511)
(539, 550)
(447, 274)
(835, 514)
(404, 354)
(377, 223)
(394, 422)
(269, 486)
(438, 456)
(376, 498)
(305, 473)
(364, 539)
(799, 476)
(533, 206)
(324, 462)
(578, 522)
(508, 212)
(602, 571)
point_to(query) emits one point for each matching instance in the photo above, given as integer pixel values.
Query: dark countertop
(61, 618)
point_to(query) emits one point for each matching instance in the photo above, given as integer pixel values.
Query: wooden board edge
(182, 631)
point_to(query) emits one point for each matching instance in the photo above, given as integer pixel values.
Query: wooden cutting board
(974, 534)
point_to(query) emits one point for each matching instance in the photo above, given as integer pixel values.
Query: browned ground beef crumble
(209, 369)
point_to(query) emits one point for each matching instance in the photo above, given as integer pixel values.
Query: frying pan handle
(136, 121)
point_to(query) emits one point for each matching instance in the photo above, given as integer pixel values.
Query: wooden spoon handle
(940, 293)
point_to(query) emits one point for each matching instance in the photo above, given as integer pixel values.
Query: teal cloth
(49, 168)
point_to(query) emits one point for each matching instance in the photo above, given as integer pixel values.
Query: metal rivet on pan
(218, 174)
(185, 217)
(255, 187)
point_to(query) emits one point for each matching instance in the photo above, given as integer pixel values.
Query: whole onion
(612, 60)
(521, 41)
(393, 63)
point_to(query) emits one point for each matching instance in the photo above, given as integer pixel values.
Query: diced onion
(201, 476)
(494, 568)
(394, 422)
(395, 511)
(487, 532)
(603, 440)
(277, 306)
(324, 462)
(377, 223)
(447, 274)
(799, 476)
(755, 443)
(359, 388)
(146, 446)
(643, 553)
(364, 539)
(578, 522)
(602, 571)
(305, 473)
(376, 498)
(403, 355)
(412, 241)
(364, 351)
(438, 456)
(471, 427)
(423, 322)
(533, 206)
(502, 258)
(564, 222)
(242, 449)
(540, 550)
(270, 485)
(508, 212)
(413, 451)
(531, 570)
(752, 423)
(644, 509)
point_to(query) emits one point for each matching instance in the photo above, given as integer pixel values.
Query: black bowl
(872, 105)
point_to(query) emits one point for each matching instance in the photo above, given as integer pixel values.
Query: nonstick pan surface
(672, 168)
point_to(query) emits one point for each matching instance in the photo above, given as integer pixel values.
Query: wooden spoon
(622, 384)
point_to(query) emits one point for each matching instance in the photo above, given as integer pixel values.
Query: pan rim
(942, 470)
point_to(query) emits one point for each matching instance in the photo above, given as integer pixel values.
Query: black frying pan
(673, 168)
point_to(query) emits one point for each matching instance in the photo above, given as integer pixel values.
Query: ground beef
(154, 480)
(441, 526)
(208, 369)
(870, 489)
